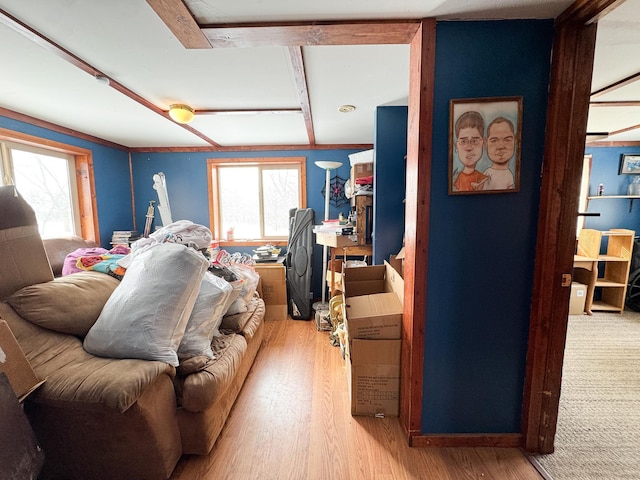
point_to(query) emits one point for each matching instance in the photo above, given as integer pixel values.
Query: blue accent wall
(614, 212)
(481, 247)
(390, 145)
(186, 176)
(481, 250)
(111, 176)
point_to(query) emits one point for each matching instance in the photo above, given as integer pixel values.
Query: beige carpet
(598, 436)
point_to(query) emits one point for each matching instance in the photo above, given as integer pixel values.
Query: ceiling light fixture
(346, 108)
(181, 113)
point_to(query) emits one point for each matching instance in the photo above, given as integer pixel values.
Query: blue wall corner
(389, 190)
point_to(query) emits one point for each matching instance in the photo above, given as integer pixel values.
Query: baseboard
(502, 440)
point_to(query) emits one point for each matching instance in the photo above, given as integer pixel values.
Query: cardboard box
(273, 284)
(15, 365)
(337, 274)
(372, 279)
(333, 240)
(397, 262)
(377, 316)
(373, 321)
(577, 298)
(374, 377)
(360, 170)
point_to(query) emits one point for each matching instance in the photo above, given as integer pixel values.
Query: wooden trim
(291, 34)
(467, 440)
(36, 37)
(585, 12)
(87, 203)
(36, 122)
(177, 17)
(212, 187)
(250, 111)
(571, 70)
(623, 130)
(614, 86)
(133, 195)
(213, 193)
(612, 144)
(254, 148)
(622, 103)
(297, 62)
(418, 180)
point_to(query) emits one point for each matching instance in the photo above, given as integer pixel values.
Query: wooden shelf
(616, 261)
(632, 197)
(605, 307)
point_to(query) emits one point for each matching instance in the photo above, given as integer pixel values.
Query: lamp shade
(328, 164)
(181, 113)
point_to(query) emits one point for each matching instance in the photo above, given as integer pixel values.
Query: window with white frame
(47, 181)
(251, 197)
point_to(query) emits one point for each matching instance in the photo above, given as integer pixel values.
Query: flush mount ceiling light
(181, 113)
(346, 108)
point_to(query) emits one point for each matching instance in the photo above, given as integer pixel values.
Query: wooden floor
(292, 421)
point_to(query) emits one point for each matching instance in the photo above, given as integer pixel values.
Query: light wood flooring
(292, 421)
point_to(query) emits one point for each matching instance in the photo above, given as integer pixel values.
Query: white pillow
(147, 314)
(205, 317)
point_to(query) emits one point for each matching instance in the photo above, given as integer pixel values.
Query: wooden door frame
(567, 112)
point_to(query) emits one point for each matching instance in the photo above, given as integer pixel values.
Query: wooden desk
(340, 245)
(586, 273)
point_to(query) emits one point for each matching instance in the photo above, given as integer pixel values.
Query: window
(55, 179)
(251, 197)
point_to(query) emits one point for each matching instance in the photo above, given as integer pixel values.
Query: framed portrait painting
(484, 145)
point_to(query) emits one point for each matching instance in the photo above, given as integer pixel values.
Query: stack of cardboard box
(373, 319)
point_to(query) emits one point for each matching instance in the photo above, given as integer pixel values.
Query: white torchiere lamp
(327, 166)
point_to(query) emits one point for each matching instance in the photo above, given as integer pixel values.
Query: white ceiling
(129, 43)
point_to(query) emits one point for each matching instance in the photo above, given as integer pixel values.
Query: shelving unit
(614, 264)
(631, 198)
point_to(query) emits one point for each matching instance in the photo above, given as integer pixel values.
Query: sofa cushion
(205, 318)
(236, 323)
(195, 392)
(147, 314)
(69, 304)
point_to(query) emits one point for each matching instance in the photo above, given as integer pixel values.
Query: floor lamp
(327, 166)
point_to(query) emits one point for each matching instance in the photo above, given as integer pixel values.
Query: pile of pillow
(167, 307)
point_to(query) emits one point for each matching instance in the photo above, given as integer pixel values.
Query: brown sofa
(103, 418)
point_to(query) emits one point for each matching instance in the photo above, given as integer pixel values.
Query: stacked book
(123, 237)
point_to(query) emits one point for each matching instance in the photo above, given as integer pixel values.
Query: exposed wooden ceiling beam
(621, 103)
(624, 130)
(36, 37)
(614, 86)
(178, 18)
(297, 61)
(587, 11)
(365, 32)
(250, 111)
